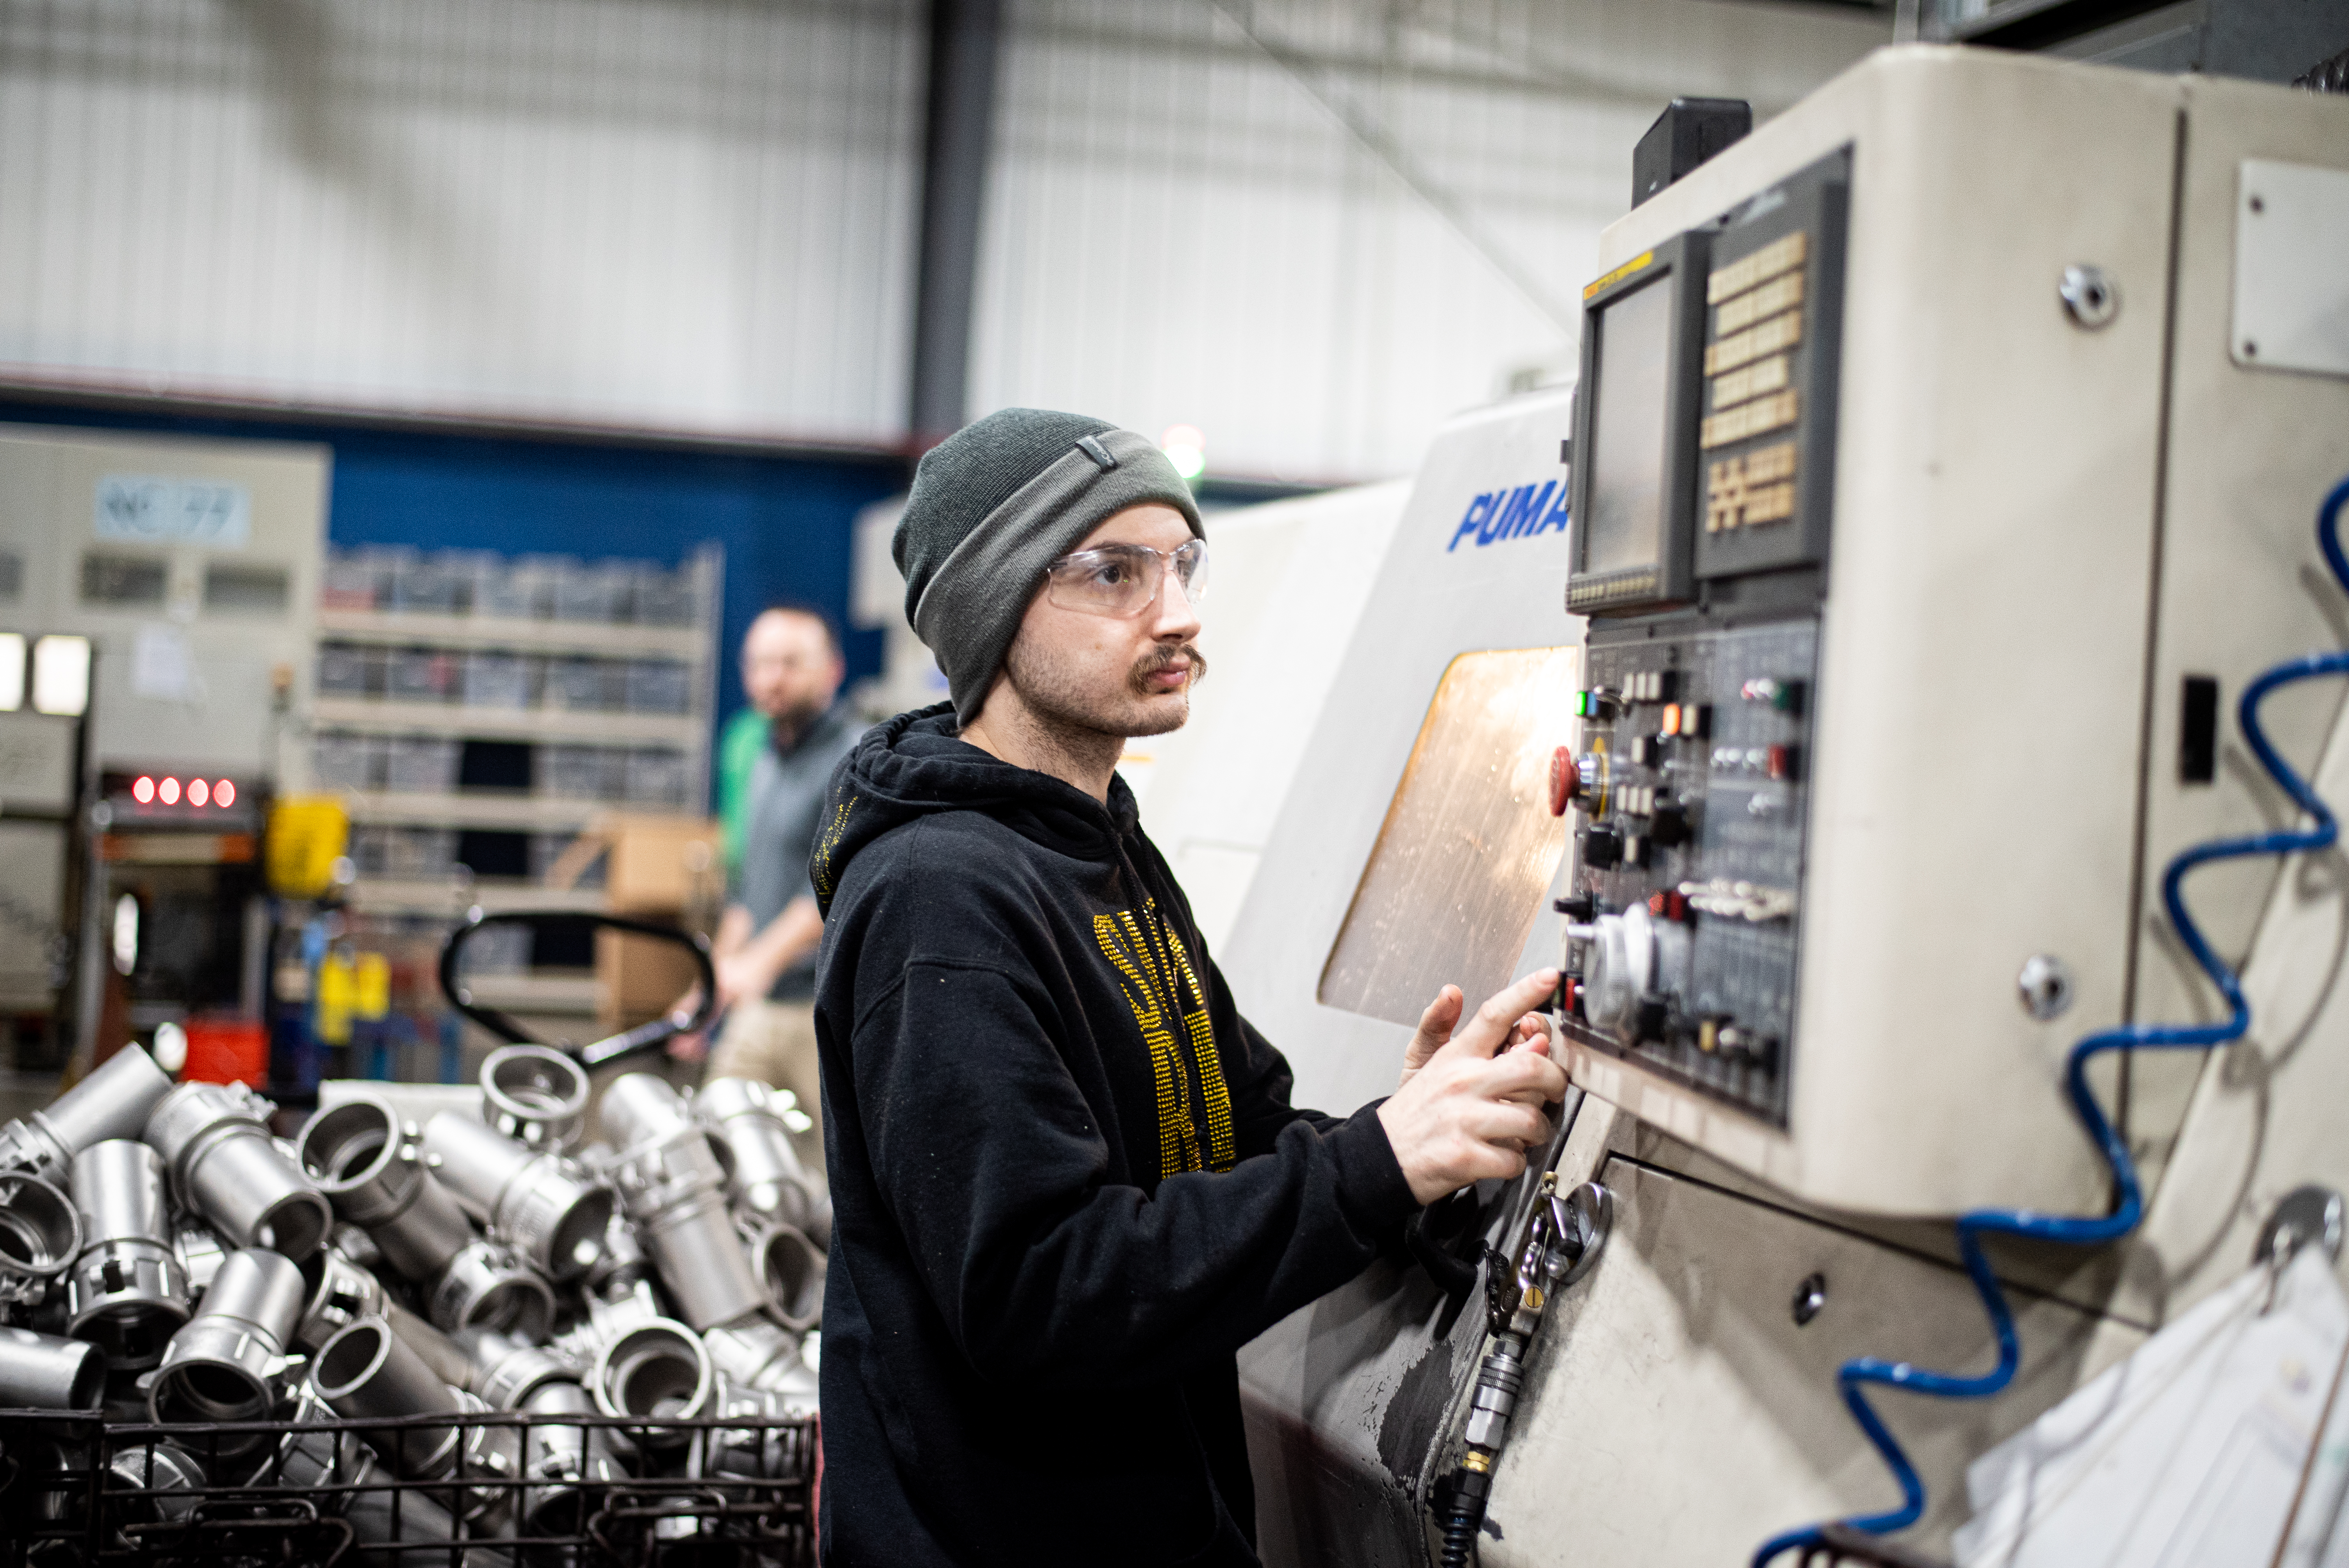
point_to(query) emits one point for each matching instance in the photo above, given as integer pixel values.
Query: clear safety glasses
(1123, 580)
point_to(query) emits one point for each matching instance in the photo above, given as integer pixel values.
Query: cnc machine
(1829, 680)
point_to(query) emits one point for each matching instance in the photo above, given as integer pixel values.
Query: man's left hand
(1442, 1016)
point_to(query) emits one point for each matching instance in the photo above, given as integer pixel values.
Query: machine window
(1468, 847)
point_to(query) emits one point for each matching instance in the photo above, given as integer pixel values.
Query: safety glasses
(1123, 580)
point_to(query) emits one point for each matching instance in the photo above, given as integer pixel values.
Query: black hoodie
(1067, 1181)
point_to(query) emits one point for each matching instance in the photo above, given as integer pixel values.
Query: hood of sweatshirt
(916, 764)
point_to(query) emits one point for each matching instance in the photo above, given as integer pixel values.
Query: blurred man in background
(764, 951)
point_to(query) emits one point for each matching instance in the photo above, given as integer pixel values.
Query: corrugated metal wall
(1310, 227)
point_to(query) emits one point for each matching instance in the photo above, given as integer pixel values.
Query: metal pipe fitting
(750, 1119)
(340, 1293)
(767, 1450)
(154, 1484)
(487, 1286)
(508, 1374)
(566, 1452)
(535, 1095)
(42, 1372)
(40, 1236)
(366, 1371)
(537, 1202)
(113, 1101)
(503, 1368)
(372, 1168)
(225, 1165)
(657, 1370)
(640, 1107)
(674, 1189)
(128, 1293)
(622, 1263)
(228, 1362)
(792, 1268)
(440, 1352)
(756, 1354)
(201, 1253)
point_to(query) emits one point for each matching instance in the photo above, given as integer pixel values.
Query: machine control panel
(1682, 926)
(1705, 426)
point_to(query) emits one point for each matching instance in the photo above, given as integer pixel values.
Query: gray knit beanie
(993, 505)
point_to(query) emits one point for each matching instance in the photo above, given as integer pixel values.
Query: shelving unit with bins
(476, 712)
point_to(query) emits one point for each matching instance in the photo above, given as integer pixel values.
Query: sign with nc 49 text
(148, 510)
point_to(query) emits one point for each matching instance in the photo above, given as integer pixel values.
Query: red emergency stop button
(1565, 779)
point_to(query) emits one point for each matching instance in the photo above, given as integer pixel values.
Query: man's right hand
(1475, 1107)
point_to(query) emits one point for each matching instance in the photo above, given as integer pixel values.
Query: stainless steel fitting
(503, 1368)
(113, 1101)
(228, 1362)
(563, 1453)
(128, 1293)
(674, 1189)
(371, 1167)
(366, 1371)
(42, 1372)
(40, 1234)
(756, 1354)
(342, 1475)
(655, 1370)
(792, 1268)
(201, 1253)
(535, 1095)
(154, 1484)
(508, 1374)
(537, 1202)
(487, 1286)
(766, 1452)
(640, 1107)
(752, 1121)
(225, 1165)
(340, 1293)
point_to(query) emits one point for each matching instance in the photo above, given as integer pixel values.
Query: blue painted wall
(786, 521)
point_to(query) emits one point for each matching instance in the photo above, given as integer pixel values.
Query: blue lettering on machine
(1520, 514)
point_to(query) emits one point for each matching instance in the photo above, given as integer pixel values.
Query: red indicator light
(143, 792)
(198, 792)
(169, 793)
(224, 794)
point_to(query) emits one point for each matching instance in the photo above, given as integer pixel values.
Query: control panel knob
(1564, 780)
(1602, 848)
(1618, 964)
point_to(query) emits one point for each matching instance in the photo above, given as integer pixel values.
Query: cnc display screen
(1625, 528)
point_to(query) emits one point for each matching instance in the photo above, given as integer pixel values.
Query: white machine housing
(2041, 522)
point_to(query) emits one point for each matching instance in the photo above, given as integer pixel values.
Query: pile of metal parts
(473, 1328)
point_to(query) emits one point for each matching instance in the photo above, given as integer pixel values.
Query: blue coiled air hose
(1854, 1375)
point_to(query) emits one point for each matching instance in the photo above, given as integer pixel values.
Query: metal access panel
(1682, 1399)
(1895, 744)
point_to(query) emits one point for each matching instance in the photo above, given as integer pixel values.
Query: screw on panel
(2045, 986)
(2091, 298)
(1810, 1297)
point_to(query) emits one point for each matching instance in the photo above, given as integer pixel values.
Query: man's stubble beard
(1082, 722)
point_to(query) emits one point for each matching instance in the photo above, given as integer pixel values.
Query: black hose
(1469, 1490)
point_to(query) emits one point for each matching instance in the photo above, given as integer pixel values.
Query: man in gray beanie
(1067, 1180)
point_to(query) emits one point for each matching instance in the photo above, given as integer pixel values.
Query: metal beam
(965, 40)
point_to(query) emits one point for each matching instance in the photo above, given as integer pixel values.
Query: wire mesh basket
(484, 1490)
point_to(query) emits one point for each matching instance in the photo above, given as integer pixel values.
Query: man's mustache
(1162, 658)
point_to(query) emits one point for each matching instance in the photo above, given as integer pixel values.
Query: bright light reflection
(143, 792)
(169, 793)
(198, 792)
(224, 794)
